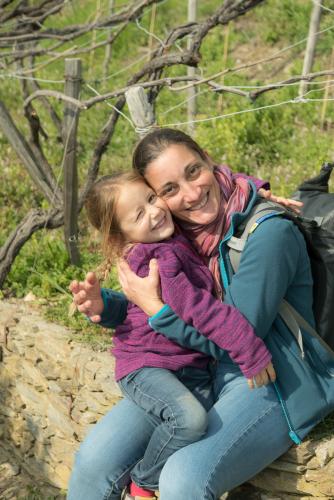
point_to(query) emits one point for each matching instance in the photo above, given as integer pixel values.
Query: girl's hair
(155, 143)
(101, 207)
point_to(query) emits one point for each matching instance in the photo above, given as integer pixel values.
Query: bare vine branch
(24, 24)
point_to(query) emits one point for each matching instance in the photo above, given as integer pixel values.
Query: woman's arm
(267, 268)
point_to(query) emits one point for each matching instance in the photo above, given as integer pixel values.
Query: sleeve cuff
(157, 315)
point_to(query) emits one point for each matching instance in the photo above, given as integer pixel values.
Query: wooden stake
(326, 94)
(311, 43)
(225, 54)
(140, 109)
(151, 30)
(92, 52)
(191, 71)
(107, 57)
(71, 118)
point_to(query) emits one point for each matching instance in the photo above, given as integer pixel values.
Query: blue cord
(292, 434)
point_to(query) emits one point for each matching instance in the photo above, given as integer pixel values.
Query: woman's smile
(201, 204)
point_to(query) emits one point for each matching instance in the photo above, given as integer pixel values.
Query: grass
(35, 493)
(323, 430)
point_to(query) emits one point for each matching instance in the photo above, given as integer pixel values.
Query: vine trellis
(24, 40)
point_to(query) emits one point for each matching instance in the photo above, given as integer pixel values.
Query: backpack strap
(261, 212)
(297, 321)
(290, 317)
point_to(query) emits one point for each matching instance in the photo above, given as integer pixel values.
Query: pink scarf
(234, 197)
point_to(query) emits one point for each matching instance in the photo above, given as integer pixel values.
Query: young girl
(172, 384)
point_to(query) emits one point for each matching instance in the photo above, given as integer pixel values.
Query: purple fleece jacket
(187, 287)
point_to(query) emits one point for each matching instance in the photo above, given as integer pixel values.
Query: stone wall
(53, 389)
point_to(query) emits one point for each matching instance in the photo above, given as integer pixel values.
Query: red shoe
(128, 496)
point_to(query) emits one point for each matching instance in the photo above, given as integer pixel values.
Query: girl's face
(186, 183)
(143, 217)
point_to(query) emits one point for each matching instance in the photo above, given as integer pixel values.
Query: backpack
(317, 225)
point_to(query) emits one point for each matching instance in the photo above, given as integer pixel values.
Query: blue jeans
(246, 432)
(172, 399)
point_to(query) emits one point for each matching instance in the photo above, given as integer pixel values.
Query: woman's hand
(264, 377)
(285, 202)
(144, 292)
(87, 297)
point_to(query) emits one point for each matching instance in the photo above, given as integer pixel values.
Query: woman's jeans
(173, 400)
(246, 432)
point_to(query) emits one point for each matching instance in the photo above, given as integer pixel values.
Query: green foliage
(288, 21)
(35, 493)
(42, 267)
(324, 429)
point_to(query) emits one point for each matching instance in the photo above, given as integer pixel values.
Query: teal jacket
(274, 265)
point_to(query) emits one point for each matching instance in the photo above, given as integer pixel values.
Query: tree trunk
(36, 219)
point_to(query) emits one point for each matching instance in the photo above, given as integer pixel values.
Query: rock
(8, 470)
(30, 297)
(325, 451)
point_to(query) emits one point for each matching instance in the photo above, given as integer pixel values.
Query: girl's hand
(144, 292)
(286, 202)
(87, 297)
(264, 377)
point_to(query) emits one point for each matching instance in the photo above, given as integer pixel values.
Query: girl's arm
(221, 323)
(103, 306)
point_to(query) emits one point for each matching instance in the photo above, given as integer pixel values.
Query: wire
(250, 110)
(111, 106)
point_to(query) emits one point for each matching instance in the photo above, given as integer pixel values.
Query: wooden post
(92, 52)
(225, 54)
(151, 30)
(71, 118)
(141, 110)
(107, 56)
(311, 43)
(192, 12)
(326, 94)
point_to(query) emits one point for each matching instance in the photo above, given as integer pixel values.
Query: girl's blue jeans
(246, 432)
(177, 402)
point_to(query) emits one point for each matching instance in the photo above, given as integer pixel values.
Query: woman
(247, 429)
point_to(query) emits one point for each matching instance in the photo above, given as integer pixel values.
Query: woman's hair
(101, 207)
(155, 143)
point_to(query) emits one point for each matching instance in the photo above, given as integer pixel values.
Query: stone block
(62, 450)
(325, 451)
(34, 400)
(62, 476)
(33, 376)
(60, 422)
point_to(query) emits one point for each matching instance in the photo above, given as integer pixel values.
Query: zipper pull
(295, 438)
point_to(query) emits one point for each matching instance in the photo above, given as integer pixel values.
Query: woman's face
(186, 183)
